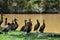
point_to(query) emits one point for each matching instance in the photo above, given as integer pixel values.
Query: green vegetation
(31, 5)
(17, 35)
(1, 28)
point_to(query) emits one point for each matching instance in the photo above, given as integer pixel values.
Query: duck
(14, 24)
(37, 25)
(42, 27)
(1, 20)
(29, 24)
(24, 27)
(5, 21)
(6, 29)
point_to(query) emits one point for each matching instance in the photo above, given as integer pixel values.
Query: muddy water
(52, 20)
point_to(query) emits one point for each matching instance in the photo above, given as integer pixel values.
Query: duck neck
(1, 16)
(5, 22)
(15, 22)
(25, 22)
(38, 23)
(44, 23)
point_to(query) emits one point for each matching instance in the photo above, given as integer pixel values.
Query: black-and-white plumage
(6, 29)
(42, 27)
(37, 25)
(14, 25)
(29, 24)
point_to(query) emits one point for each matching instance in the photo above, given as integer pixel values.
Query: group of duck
(8, 26)
(27, 27)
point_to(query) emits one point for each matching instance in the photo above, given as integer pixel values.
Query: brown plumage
(42, 27)
(24, 27)
(5, 21)
(37, 25)
(1, 20)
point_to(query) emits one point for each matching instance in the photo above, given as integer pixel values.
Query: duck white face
(6, 25)
(27, 21)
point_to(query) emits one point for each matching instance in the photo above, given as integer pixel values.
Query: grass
(1, 28)
(17, 35)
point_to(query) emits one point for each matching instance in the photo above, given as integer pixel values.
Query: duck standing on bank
(42, 27)
(37, 25)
